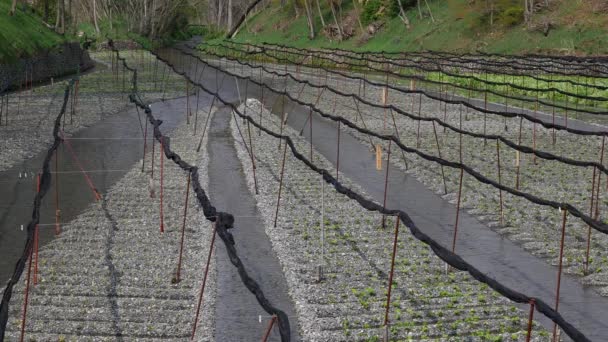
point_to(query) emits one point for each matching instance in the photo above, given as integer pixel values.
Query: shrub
(511, 16)
(371, 11)
(393, 8)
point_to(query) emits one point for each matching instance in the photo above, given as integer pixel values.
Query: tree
(46, 11)
(309, 19)
(13, 7)
(229, 25)
(95, 16)
(321, 13)
(60, 19)
(333, 13)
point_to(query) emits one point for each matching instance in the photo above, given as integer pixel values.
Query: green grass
(23, 34)
(577, 29)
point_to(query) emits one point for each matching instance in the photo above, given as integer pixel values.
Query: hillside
(571, 26)
(23, 34)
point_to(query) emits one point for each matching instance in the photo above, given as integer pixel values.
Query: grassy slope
(23, 34)
(580, 29)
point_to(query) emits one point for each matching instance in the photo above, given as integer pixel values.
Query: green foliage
(23, 34)
(393, 8)
(371, 11)
(529, 82)
(511, 16)
(383, 9)
(505, 13)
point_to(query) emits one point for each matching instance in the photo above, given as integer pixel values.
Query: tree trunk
(358, 11)
(429, 9)
(311, 27)
(46, 11)
(71, 15)
(333, 12)
(111, 24)
(321, 13)
(142, 23)
(62, 16)
(95, 16)
(402, 15)
(229, 26)
(220, 8)
(235, 29)
(13, 7)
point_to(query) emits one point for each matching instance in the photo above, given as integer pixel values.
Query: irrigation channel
(126, 246)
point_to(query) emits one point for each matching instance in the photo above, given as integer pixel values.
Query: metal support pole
(200, 297)
(530, 319)
(388, 165)
(162, 219)
(181, 245)
(445, 187)
(253, 165)
(390, 277)
(559, 272)
(457, 211)
(26, 299)
(269, 328)
(276, 215)
(499, 181)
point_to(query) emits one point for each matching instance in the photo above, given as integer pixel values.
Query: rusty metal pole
(153, 155)
(457, 211)
(27, 294)
(276, 214)
(364, 125)
(553, 107)
(57, 210)
(445, 187)
(181, 245)
(200, 142)
(534, 129)
(161, 155)
(596, 197)
(388, 165)
(599, 180)
(398, 137)
(338, 155)
(253, 165)
(269, 328)
(559, 272)
(418, 123)
(187, 101)
(261, 107)
(499, 181)
(586, 269)
(390, 277)
(36, 236)
(518, 161)
(200, 297)
(143, 158)
(310, 131)
(530, 319)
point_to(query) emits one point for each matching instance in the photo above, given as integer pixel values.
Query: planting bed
(31, 113)
(536, 228)
(348, 304)
(111, 274)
